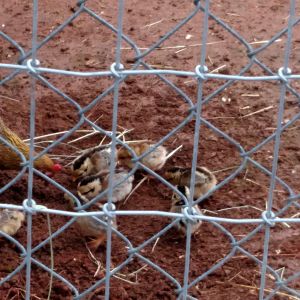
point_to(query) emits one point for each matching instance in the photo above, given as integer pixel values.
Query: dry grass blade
(239, 207)
(95, 260)
(98, 263)
(135, 188)
(258, 111)
(178, 51)
(137, 271)
(152, 24)
(122, 134)
(136, 141)
(97, 119)
(253, 207)
(94, 131)
(237, 274)
(250, 95)
(233, 14)
(218, 118)
(55, 134)
(225, 169)
(256, 183)
(295, 216)
(218, 69)
(173, 152)
(102, 141)
(176, 47)
(204, 211)
(61, 155)
(84, 137)
(290, 297)
(153, 248)
(9, 98)
(264, 42)
(32, 295)
(125, 280)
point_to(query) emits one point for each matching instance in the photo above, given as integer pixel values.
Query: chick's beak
(54, 169)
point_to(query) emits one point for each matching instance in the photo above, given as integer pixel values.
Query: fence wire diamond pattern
(29, 63)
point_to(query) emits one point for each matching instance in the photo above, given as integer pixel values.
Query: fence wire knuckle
(27, 62)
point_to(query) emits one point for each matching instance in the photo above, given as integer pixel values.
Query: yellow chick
(178, 206)
(205, 180)
(11, 221)
(91, 161)
(91, 186)
(155, 160)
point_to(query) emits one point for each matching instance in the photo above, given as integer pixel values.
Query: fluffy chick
(10, 160)
(89, 187)
(91, 228)
(205, 180)
(155, 160)
(91, 161)
(178, 206)
(11, 221)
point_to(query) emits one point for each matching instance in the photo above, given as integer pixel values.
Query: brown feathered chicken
(10, 160)
(155, 160)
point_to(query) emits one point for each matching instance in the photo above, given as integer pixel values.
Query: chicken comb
(56, 168)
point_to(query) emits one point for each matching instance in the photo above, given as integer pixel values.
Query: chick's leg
(95, 243)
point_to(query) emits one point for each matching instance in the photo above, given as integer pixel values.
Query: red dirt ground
(152, 109)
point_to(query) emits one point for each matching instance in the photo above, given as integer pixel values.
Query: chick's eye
(89, 191)
(81, 173)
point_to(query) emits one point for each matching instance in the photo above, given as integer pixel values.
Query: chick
(204, 179)
(10, 160)
(178, 206)
(91, 228)
(91, 161)
(89, 187)
(155, 160)
(11, 221)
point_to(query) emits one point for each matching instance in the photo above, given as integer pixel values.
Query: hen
(10, 160)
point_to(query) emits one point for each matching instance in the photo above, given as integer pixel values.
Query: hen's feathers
(10, 160)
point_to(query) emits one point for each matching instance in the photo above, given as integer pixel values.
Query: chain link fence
(29, 63)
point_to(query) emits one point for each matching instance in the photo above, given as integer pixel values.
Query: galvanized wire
(27, 62)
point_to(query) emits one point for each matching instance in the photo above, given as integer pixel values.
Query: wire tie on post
(282, 74)
(188, 216)
(268, 220)
(114, 70)
(29, 209)
(200, 71)
(107, 211)
(32, 67)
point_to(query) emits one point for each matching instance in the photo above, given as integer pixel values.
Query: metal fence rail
(29, 63)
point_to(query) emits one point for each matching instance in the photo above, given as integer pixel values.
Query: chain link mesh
(28, 62)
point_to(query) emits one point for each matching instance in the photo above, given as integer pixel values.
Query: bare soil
(152, 109)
